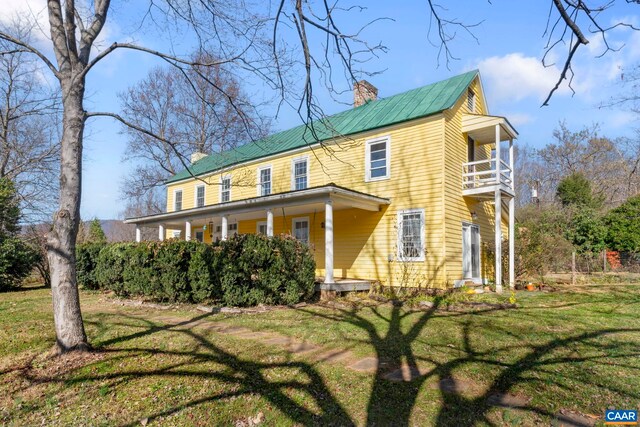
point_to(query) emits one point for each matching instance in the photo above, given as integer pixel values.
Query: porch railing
(482, 173)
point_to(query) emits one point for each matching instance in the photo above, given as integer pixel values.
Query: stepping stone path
(404, 373)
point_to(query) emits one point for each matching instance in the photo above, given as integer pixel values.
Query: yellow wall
(425, 153)
(363, 240)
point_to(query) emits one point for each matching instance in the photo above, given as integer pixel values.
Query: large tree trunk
(70, 334)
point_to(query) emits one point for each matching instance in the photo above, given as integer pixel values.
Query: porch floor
(343, 285)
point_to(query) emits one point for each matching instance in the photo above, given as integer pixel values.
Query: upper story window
(300, 174)
(471, 101)
(225, 189)
(264, 183)
(377, 159)
(411, 235)
(177, 200)
(199, 196)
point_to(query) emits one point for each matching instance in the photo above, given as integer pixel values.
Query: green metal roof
(416, 103)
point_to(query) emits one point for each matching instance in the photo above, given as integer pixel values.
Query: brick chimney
(363, 92)
(197, 156)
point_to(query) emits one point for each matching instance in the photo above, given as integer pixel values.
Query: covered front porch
(299, 213)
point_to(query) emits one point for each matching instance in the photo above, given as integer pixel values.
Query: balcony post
(498, 237)
(498, 176)
(224, 230)
(512, 241)
(187, 230)
(328, 242)
(269, 223)
(511, 161)
(138, 233)
(161, 232)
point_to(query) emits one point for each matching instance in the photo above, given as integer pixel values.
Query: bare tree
(199, 110)
(247, 40)
(610, 165)
(567, 23)
(29, 137)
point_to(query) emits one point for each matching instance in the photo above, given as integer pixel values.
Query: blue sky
(508, 53)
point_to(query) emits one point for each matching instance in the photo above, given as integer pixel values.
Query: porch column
(498, 165)
(224, 230)
(269, 223)
(511, 161)
(187, 230)
(512, 241)
(138, 234)
(328, 242)
(161, 232)
(498, 236)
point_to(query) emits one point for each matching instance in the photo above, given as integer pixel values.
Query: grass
(575, 350)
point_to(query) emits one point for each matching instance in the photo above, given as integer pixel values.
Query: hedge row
(245, 270)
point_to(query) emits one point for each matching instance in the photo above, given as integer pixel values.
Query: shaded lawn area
(576, 350)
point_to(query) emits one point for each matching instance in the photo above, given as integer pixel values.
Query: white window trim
(181, 201)
(195, 195)
(301, 219)
(293, 170)
(259, 185)
(222, 178)
(422, 235)
(258, 224)
(367, 159)
(471, 96)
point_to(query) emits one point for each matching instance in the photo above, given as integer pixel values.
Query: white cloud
(515, 77)
(519, 119)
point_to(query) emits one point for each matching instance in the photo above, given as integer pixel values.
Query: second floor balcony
(481, 178)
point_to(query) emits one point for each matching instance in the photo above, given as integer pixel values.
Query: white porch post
(498, 236)
(269, 223)
(512, 241)
(138, 234)
(225, 228)
(187, 230)
(161, 232)
(511, 161)
(498, 165)
(328, 242)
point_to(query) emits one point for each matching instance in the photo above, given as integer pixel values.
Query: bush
(242, 271)
(110, 267)
(17, 260)
(86, 261)
(261, 270)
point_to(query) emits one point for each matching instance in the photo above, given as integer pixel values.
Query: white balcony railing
(482, 173)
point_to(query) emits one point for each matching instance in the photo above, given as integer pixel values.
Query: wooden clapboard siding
(364, 241)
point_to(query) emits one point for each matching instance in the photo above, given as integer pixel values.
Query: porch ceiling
(482, 128)
(295, 202)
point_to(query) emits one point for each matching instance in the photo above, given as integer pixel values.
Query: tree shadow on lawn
(243, 377)
(389, 402)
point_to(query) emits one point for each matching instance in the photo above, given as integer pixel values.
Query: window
(177, 200)
(264, 183)
(299, 174)
(176, 234)
(377, 159)
(411, 235)
(471, 101)
(199, 196)
(301, 229)
(225, 189)
(262, 227)
(200, 236)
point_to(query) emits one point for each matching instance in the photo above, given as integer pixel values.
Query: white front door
(470, 251)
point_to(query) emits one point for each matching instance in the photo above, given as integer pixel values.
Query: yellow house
(407, 190)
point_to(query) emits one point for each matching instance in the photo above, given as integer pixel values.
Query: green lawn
(576, 351)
